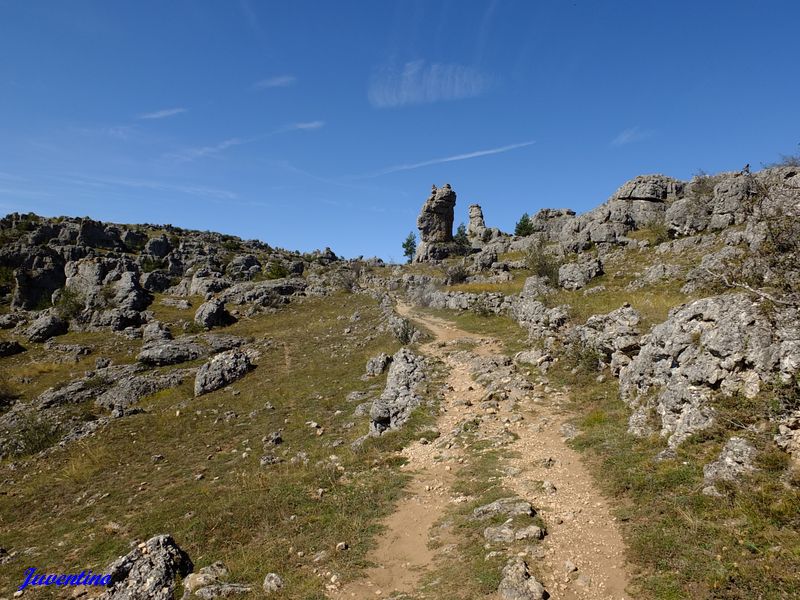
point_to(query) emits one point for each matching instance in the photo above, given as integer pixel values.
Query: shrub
(69, 304)
(702, 183)
(456, 274)
(655, 232)
(7, 393)
(541, 262)
(35, 435)
(524, 226)
(582, 357)
(276, 270)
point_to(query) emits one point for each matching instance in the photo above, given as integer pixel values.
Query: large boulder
(39, 274)
(46, 326)
(399, 398)
(212, 314)
(149, 571)
(222, 369)
(721, 344)
(573, 276)
(163, 351)
(106, 283)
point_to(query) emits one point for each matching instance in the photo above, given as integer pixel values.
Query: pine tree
(461, 238)
(524, 226)
(410, 246)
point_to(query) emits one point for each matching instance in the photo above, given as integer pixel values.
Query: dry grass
(61, 505)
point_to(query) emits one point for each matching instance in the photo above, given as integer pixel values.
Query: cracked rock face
(399, 398)
(148, 572)
(221, 370)
(519, 584)
(435, 223)
(722, 343)
(735, 459)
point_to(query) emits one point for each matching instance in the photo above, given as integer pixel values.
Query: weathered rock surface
(378, 364)
(435, 223)
(735, 459)
(399, 398)
(614, 336)
(45, 327)
(10, 348)
(573, 276)
(722, 343)
(164, 351)
(509, 507)
(212, 314)
(149, 571)
(518, 584)
(222, 369)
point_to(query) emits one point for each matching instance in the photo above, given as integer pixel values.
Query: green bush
(35, 435)
(276, 270)
(541, 262)
(69, 304)
(410, 246)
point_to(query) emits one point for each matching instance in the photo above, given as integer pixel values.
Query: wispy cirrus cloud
(420, 83)
(190, 154)
(307, 126)
(162, 114)
(275, 82)
(446, 159)
(630, 135)
(149, 184)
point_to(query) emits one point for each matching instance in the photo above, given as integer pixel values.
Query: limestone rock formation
(149, 571)
(518, 583)
(720, 343)
(735, 459)
(399, 398)
(221, 370)
(212, 314)
(45, 327)
(477, 232)
(435, 223)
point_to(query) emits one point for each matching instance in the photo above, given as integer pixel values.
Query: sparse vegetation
(541, 262)
(410, 246)
(69, 304)
(276, 270)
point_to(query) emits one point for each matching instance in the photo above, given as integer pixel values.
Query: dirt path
(580, 527)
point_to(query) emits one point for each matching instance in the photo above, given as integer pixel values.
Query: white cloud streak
(447, 159)
(190, 154)
(275, 82)
(420, 83)
(629, 136)
(162, 114)
(158, 186)
(308, 126)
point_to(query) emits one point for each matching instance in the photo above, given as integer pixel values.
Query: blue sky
(308, 124)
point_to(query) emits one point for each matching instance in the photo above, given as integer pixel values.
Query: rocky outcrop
(213, 314)
(722, 344)
(378, 364)
(10, 348)
(129, 390)
(399, 398)
(638, 203)
(735, 459)
(548, 222)
(45, 327)
(573, 276)
(221, 370)
(477, 232)
(164, 351)
(435, 223)
(149, 571)
(614, 336)
(517, 583)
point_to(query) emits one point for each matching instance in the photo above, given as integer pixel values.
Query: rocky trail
(582, 554)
